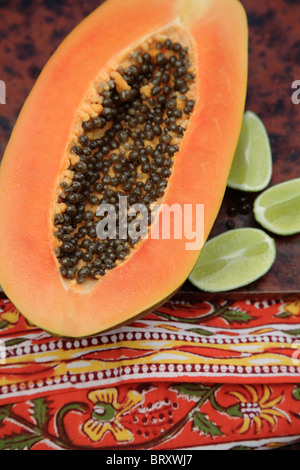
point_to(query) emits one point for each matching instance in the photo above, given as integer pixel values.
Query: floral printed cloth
(212, 375)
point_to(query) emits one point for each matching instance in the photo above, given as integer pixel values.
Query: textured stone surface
(32, 29)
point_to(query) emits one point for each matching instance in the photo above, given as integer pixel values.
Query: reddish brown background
(30, 30)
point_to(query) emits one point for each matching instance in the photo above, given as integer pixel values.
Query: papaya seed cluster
(127, 150)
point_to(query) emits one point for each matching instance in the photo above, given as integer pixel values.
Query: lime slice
(233, 259)
(252, 164)
(278, 208)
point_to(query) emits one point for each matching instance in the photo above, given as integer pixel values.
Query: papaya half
(143, 102)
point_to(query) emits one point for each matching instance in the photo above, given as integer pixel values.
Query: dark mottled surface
(32, 29)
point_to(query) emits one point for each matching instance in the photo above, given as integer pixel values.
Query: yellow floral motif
(293, 308)
(12, 317)
(106, 414)
(256, 408)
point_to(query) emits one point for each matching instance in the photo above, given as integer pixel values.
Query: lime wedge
(252, 164)
(233, 259)
(278, 208)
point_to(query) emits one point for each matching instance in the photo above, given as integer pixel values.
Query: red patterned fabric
(187, 376)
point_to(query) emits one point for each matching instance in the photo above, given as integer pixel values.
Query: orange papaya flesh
(40, 156)
(129, 131)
